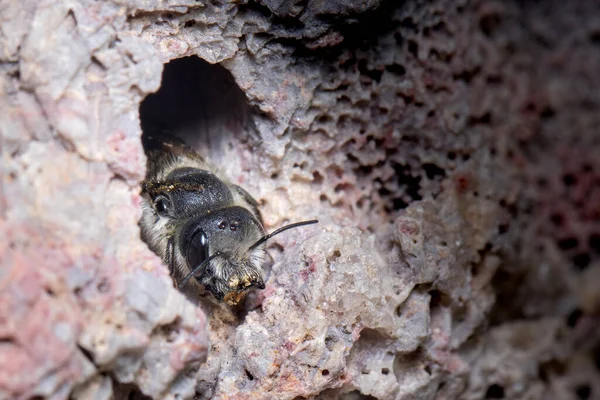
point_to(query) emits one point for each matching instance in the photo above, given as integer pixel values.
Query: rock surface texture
(450, 150)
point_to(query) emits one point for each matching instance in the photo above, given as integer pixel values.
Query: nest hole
(494, 391)
(200, 103)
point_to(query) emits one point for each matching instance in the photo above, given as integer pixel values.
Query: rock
(448, 148)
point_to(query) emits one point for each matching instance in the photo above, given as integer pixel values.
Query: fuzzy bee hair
(190, 212)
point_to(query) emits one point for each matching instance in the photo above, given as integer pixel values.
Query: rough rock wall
(449, 149)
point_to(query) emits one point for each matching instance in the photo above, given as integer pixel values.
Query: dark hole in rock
(438, 299)
(583, 392)
(568, 243)
(582, 260)
(550, 369)
(198, 102)
(432, 171)
(103, 286)
(330, 341)
(399, 204)
(396, 69)
(385, 371)
(547, 112)
(317, 178)
(596, 356)
(569, 180)
(495, 391)
(127, 391)
(594, 242)
(573, 317)
(489, 23)
(356, 395)
(373, 74)
(411, 185)
(557, 219)
(483, 119)
(503, 228)
(325, 372)
(413, 48)
(249, 375)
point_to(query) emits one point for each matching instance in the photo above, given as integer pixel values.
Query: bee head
(196, 213)
(228, 233)
(192, 218)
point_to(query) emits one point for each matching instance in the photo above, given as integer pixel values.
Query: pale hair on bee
(201, 225)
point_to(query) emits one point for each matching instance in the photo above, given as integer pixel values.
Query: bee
(201, 225)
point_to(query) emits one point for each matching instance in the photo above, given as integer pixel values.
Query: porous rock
(448, 148)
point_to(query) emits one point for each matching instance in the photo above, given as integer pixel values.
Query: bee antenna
(278, 231)
(198, 268)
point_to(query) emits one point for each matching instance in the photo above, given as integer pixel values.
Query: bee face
(229, 232)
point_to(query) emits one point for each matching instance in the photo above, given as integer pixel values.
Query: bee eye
(197, 250)
(162, 205)
(223, 225)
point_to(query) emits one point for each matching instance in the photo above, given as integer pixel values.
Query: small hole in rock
(547, 112)
(103, 286)
(582, 260)
(568, 243)
(594, 242)
(494, 392)
(385, 371)
(569, 180)
(573, 317)
(396, 69)
(249, 375)
(432, 171)
(596, 356)
(325, 372)
(503, 228)
(557, 219)
(583, 392)
(550, 369)
(413, 48)
(317, 178)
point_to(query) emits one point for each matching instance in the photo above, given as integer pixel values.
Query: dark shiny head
(229, 231)
(205, 216)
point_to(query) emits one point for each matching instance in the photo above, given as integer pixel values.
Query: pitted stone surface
(448, 148)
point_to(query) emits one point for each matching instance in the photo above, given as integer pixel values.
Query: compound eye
(197, 250)
(162, 204)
